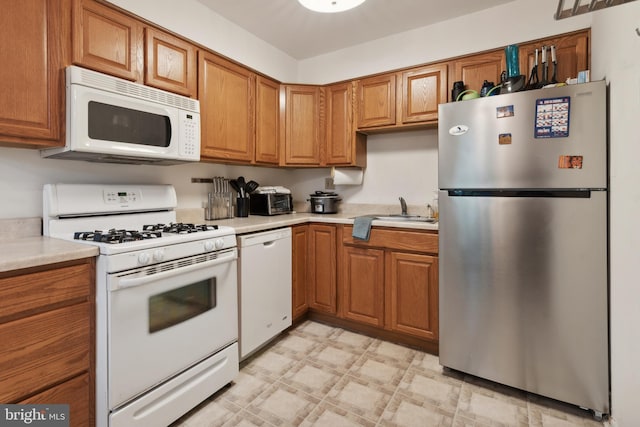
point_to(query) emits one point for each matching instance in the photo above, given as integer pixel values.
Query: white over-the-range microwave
(113, 120)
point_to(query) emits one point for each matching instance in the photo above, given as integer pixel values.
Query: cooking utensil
(251, 186)
(534, 82)
(234, 184)
(555, 64)
(545, 67)
(242, 185)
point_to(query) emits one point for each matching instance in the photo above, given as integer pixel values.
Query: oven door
(166, 317)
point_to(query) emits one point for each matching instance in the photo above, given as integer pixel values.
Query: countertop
(33, 250)
(254, 223)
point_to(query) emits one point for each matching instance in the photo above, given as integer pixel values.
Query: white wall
(615, 57)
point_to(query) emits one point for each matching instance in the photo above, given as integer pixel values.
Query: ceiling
(302, 33)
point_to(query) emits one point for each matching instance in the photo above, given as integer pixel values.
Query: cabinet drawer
(42, 350)
(32, 292)
(396, 239)
(75, 393)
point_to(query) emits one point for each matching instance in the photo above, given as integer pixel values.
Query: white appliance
(166, 299)
(264, 287)
(113, 120)
(524, 241)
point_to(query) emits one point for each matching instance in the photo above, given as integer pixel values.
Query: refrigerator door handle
(573, 194)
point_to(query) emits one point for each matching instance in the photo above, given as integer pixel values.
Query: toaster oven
(270, 204)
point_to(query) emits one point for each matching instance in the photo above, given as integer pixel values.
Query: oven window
(178, 305)
(119, 124)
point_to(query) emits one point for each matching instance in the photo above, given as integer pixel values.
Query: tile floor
(318, 375)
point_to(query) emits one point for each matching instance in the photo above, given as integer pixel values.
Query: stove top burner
(152, 231)
(116, 236)
(179, 227)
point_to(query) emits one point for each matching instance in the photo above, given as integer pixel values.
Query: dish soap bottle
(434, 205)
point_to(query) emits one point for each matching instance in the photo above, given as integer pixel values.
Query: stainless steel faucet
(403, 206)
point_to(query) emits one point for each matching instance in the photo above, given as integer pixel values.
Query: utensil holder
(242, 207)
(219, 206)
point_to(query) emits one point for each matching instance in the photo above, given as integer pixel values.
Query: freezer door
(523, 293)
(491, 142)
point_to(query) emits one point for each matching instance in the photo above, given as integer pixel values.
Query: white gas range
(166, 299)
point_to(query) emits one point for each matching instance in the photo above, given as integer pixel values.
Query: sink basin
(400, 217)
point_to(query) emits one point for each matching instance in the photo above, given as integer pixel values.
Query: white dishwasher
(264, 287)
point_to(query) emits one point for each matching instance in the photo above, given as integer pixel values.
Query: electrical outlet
(328, 184)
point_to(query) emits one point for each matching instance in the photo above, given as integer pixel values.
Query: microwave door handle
(140, 281)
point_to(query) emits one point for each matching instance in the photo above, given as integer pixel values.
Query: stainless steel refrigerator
(523, 241)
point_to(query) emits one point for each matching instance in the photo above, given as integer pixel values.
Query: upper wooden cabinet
(106, 40)
(422, 90)
(114, 43)
(35, 35)
(572, 55)
(226, 93)
(267, 121)
(377, 101)
(170, 63)
(402, 99)
(475, 69)
(302, 125)
(344, 146)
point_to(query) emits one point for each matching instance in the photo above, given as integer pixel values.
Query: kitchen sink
(400, 217)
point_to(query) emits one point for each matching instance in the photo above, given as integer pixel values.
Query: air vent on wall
(585, 6)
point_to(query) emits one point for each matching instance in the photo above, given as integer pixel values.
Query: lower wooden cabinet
(299, 261)
(391, 280)
(321, 275)
(47, 335)
(386, 286)
(412, 294)
(362, 285)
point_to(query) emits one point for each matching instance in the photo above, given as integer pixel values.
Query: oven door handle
(222, 258)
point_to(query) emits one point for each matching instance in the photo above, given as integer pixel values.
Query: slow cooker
(323, 202)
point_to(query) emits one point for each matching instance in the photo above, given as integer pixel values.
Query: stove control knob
(219, 243)
(144, 258)
(158, 255)
(208, 246)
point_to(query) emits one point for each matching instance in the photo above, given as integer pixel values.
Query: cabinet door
(302, 125)
(422, 90)
(299, 259)
(377, 101)
(76, 393)
(226, 93)
(107, 41)
(322, 268)
(412, 283)
(42, 350)
(170, 63)
(362, 285)
(339, 112)
(267, 121)
(475, 69)
(572, 55)
(34, 36)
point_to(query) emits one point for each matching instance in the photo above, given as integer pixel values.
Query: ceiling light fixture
(330, 6)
